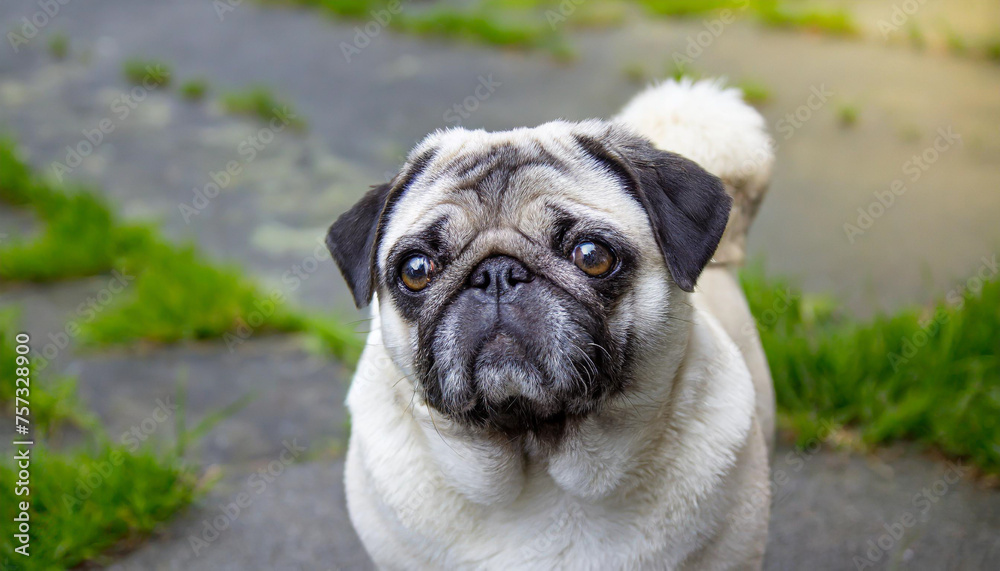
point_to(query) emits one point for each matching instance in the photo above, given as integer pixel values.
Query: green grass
(149, 73)
(635, 72)
(848, 114)
(58, 45)
(260, 103)
(17, 183)
(335, 338)
(80, 237)
(684, 8)
(53, 403)
(754, 92)
(930, 375)
(509, 23)
(81, 502)
(194, 89)
(916, 36)
(85, 503)
(956, 43)
(678, 70)
(177, 294)
(805, 16)
(534, 24)
(992, 50)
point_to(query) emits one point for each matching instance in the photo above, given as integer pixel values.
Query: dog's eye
(416, 272)
(593, 258)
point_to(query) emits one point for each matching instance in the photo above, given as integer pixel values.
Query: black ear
(351, 240)
(688, 207)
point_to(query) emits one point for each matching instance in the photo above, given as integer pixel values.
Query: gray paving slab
(833, 512)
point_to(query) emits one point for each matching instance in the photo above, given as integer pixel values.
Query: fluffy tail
(711, 125)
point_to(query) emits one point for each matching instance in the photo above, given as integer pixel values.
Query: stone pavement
(836, 512)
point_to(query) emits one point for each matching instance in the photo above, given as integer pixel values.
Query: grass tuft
(754, 92)
(635, 72)
(928, 375)
(80, 237)
(848, 115)
(678, 70)
(916, 36)
(53, 403)
(683, 8)
(85, 503)
(58, 45)
(17, 184)
(178, 295)
(148, 73)
(956, 43)
(260, 103)
(992, 50)
(795, 15)
(194, 89)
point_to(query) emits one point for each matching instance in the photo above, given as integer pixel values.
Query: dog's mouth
(528, 360)
(505, 384)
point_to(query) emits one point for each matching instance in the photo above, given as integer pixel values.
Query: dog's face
(523, 276)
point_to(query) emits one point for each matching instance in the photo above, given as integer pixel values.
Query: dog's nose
(499, 275)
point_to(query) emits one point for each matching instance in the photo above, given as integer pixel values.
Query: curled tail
(711, 125)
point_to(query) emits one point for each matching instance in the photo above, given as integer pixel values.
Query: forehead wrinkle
(540, 163)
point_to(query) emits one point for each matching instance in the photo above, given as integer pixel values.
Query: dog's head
(522, 276)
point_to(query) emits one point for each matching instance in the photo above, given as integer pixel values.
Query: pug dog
(558, 374)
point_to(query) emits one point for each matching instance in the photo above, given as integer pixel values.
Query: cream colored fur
(675, 477)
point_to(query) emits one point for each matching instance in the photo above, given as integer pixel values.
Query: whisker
(430, 415)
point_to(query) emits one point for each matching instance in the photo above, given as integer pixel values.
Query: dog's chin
(511, 395)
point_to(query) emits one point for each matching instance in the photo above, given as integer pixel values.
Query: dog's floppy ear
(351, 240)
(688, 207)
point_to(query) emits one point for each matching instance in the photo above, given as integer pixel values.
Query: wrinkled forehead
(523, 180)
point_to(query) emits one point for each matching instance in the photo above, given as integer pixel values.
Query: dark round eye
(416, 272)
(593, 258)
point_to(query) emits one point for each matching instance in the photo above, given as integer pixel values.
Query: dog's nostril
(479, 279)
(499, 274)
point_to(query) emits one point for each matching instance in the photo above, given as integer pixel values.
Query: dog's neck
(674, 403)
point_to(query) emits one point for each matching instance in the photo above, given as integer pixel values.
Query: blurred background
(168, 171)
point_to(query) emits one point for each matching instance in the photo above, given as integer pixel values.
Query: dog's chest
(544, 528)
